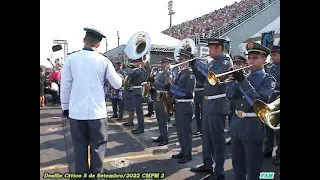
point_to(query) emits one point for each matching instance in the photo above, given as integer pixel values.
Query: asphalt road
(127, 152)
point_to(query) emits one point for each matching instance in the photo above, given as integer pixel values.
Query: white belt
(276, 91)
(215, 96)
(242, 114)
(158, 91)
(198, 89)
(136, 87)
(184, 100)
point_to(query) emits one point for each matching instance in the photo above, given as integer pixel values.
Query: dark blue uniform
(138, 76)
(116, 97)
(183, 87)
(128, 96)
(274, 70)
(162, 116)
(198, 101)
(246, 130)
(215, 110)
(232, 102)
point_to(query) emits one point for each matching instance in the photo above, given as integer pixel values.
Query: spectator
(212, 21)
(54, 88)
(42, 85)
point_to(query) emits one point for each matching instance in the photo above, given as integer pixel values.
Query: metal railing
(221, 32)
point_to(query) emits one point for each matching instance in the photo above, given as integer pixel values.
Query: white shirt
(82, 81)
(54, 87)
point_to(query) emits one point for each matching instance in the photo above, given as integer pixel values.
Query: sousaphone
(138, 46)
(187, 44)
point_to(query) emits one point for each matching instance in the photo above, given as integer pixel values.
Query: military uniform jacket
(183, 86)
(257, 85)
(274, 70)
(220, 65)
(138, 76)
(160, 79)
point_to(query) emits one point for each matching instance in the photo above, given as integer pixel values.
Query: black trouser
(55, 97)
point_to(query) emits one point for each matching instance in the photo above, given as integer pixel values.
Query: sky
(65, 20)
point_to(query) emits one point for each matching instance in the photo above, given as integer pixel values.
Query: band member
(116, 95)
(215, 109)
(128, 101)
(198, 101)
(138, 75)
(83, 101)
(247, 131)
(162, 116)
(182, 87)
(152, 94)
(274, 70)
(238, 62)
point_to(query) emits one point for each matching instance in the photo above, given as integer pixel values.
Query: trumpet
(213, 79)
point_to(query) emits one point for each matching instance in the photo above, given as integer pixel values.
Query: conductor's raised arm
(112, 76)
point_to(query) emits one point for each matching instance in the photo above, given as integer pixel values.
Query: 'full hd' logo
(266, 175)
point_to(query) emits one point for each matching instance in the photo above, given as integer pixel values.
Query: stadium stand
(209, 22)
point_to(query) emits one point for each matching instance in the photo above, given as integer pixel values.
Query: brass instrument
(187, 44)
(213, 79)
(138, 46)
(167, 97)
(266, 112)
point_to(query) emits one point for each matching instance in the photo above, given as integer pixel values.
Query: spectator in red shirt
(55, 75)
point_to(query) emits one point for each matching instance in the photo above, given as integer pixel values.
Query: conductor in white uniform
(83, 101)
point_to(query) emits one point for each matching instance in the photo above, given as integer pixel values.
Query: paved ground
(127, 152)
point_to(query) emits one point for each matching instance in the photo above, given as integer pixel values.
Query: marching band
(240, 89)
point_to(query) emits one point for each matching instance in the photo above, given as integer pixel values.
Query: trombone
(170, 66)
(213, 79)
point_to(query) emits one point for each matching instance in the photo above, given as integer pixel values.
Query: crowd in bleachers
(212, 21)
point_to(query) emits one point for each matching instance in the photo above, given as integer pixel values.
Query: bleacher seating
(206, 24)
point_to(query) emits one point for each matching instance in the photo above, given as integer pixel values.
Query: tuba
(138, 46)
(266, 112)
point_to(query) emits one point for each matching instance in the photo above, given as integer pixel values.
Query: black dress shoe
(157, 140)
(113, 117)
(185, 159)
(119, 119)
(177, 156)
(215, 176)
(202, 169)
(127, 124)
(149, 115)
(163, 142)
(276, 161)
(137, 131)
(267, 154)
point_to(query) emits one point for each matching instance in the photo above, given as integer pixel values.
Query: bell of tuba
(187, 44)
(138, 46)
(266, 112)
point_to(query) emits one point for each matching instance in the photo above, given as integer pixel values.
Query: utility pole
(118, 38)
(171, 12)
